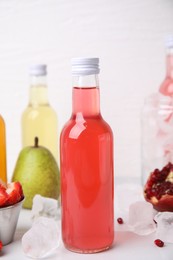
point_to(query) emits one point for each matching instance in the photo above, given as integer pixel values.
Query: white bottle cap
(38, 70)
(85, 66)
(169, 41)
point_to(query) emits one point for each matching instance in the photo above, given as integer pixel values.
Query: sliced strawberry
(15, 193)
(3, 197)
(1, 245)
(3, 184)
(18, 187)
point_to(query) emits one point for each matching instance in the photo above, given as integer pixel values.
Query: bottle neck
(38, 91)
(86, 95)
(169, 63)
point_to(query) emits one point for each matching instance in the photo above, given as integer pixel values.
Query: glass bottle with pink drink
(157, 122)
(86, 161)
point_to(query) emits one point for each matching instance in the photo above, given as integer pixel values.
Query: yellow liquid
(3, 169)
(40, 120)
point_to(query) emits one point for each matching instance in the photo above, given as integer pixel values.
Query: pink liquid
(87, 176)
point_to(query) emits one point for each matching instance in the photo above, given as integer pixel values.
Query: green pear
(38, 172)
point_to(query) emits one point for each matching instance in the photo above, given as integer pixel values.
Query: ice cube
(141, 218)
(43, 206)
(42, 239)
(164, 229)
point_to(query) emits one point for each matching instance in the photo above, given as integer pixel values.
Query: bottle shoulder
(39, 111)
(2, 119)
(92, 125)
(2, 122)
(39, 108)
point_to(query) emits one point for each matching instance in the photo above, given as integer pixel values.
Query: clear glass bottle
(39, 118)
(3, 164)
(86, 162)
(157, 122)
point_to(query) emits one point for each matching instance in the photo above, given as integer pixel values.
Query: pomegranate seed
(120, 221)
(156, 171)
(1, 245)
(159, 243)
(169, 166)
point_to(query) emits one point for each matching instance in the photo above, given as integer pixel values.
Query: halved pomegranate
(158, 189)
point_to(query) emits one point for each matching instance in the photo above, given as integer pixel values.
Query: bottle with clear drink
(39, 118)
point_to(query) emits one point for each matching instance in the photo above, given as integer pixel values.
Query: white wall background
(127, 35)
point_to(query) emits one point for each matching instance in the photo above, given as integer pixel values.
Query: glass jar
(157, 133)
(157, 122)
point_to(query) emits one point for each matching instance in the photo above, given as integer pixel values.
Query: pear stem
(36, 141)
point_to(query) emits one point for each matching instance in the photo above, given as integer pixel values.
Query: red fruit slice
(15, 193)
(159, 188)
(1, 245)
(3, 197)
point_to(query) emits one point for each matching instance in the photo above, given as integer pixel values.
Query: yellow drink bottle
(3, 167)
(39, 118)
